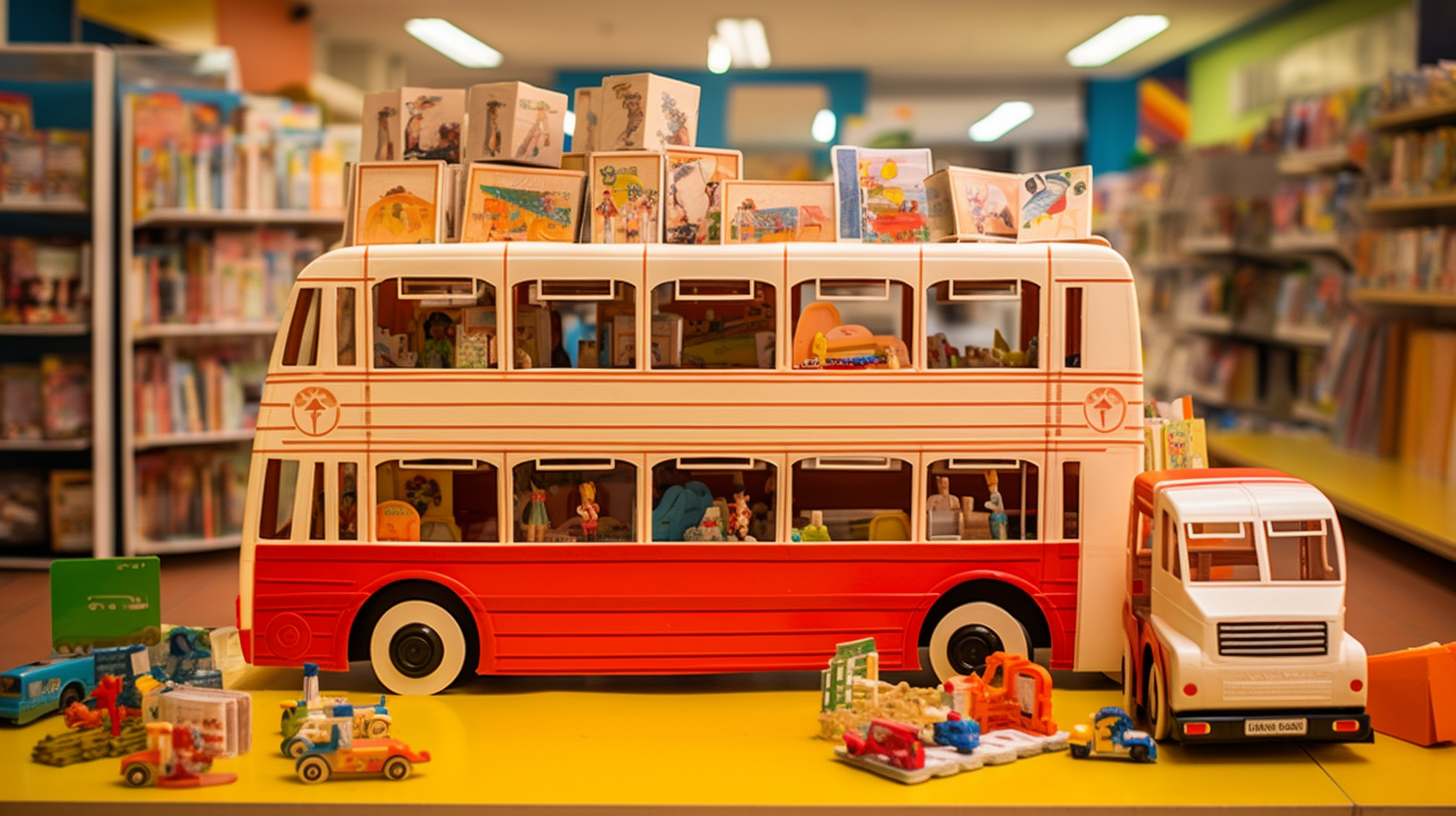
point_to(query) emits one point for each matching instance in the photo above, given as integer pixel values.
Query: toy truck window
(713, 324)
(300, 347)
(683, 490)
(280, 484)
(347, 320)
(1302, 550)
(1221, 551)
(982, 324)
(860, 498)
(456, 499)
(852, 324)
(550, 500)
(980, 500)
(434, 323)
(575, 323)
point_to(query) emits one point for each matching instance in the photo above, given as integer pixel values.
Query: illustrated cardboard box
(588, 107)
(647, 112)
(412, 123)
(1413, 693)
(625, 197)
(515, 122)
(967, 204)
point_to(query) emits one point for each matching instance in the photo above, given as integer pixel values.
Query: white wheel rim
(1007, 627)
(433, 616)
(1158, 712)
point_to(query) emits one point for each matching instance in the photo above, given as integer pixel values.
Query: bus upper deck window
(712, 324)
(852, 324)
(575, 323)
(982, 324)
(301, 346)
(434, 323)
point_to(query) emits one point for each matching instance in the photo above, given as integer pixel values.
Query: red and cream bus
(927, 444)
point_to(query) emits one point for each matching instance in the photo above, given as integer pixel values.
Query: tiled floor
(1398, 596)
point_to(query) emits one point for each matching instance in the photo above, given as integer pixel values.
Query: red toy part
(897, 742)
(1413, 694)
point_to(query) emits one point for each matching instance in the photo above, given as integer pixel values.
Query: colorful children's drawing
(676, 122)
(886, 191)
(693, 205)
(968, 204)
(759, 212)
(506, 203)
(430, 133)
(492, 128)
(398, 202)
(627, 193)
(538, 135)
(386, 120)
(631, 102)
(1057, 204)
(988, 202)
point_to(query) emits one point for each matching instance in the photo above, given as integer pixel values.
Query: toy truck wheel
(1129, 681)
(968, 634)
(377, 728)
(139, 775)
(313, 770)
(397, 768)
(71, 694)
(1139, 753)
(1159, 718)
(1080, 751)
(295, 747)
(417, 647)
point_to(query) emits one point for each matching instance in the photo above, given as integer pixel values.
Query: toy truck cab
(1235, 611)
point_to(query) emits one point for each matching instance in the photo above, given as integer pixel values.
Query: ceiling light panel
(443, 36)
(1116, 40)
(1001, 121)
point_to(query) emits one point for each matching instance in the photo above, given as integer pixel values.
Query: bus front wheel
(970, 633)
(417, 647)
(1160, 719)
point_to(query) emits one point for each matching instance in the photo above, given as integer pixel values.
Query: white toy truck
(1235, 611)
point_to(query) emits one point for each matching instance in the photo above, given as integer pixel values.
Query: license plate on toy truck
(1290, 727)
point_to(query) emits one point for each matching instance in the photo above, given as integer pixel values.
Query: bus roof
(1147, 485)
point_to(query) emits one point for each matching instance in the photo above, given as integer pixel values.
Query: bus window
(555, 500)
(575, 323)
(742, 489)
(1071, 500)
(982, 324)
(348, 501)
(852, 324)
(456, 498)
(434, 323)
(317, 525)
(280, 483)
(1302, 550)
(1221, 551)
(1073, 353)
(1171, 562)
(301, 346)
(978, 500)
(855, 498)
(712, 324)
(347, 327)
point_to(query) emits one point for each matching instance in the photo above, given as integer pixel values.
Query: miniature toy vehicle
(173, 759)
(342, 754)
(898, 743)
(35, 689)
(957, 732)
(1111, 734)
(299, 718)
(1235, 611)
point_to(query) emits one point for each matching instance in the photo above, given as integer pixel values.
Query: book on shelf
(24, 508)
(227, 276)
(17, 112)
(214, 391)
(72, 511)
(66, 389)
(1428, 402)
(23, 164)
(67, 163)
(22, 402)
(191, 493)
(44, 282)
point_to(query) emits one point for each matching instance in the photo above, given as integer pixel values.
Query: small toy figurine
(536, 519)
(709, 529)
(1111, 734)
(996, 506)
(607, 209)
(588, 510)
(819, 348)
(943, 510)
(815, 529)
(438, 351)
(739, 519)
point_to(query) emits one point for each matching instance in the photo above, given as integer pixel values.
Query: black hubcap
(970, 646)
(416, 650)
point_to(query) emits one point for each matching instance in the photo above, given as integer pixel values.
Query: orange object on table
(1412, 693)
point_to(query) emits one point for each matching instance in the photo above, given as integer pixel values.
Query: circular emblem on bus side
(315, 411)
(1105, 409)
(288, 636)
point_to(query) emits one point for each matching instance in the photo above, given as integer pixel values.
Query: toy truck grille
(1290, 639)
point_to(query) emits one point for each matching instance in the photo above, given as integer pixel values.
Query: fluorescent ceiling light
(720, 56)
(824, 126)
(745, 40)
(1001, 121)
(1116, 40)
(443, 36)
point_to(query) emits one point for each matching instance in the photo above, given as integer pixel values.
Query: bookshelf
(70, 88)
(205, 267)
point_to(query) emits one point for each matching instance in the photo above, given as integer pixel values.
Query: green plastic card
(101, 602)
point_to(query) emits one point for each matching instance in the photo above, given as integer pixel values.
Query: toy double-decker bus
(516, 458)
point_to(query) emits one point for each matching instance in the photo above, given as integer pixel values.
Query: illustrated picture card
(1057, 204)
(399, 202)
(758, 212)
(626, 197)
(506, 203)
(881, 194)
(693, 205)
(103, 602)
(968, 204)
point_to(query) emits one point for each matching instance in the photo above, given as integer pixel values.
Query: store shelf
(1379, 492)
(1320, 160)
(1303, 335)
(43, 445)
(45, 329)
(46, 208)
(173, 546)
(200, 438)
(1307, 243)
(1415, 117)
(264, 328)
(223, 218)
(1404, 297)
(1434, 201)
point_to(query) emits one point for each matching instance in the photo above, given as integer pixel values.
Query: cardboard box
(881, 194)
(588, 107)
(399, 203)
(647, 112)
(760, 212)
(1413, 693)
(967, 204)
(509, 203)
(515, 122)
(625, 197)
(693, 203)
(412, 123)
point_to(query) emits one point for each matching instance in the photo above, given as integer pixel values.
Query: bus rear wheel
(970, 633)
(417, 647)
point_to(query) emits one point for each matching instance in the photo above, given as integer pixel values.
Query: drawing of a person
(607, 209)
(539, 135)
(636, 114)
(632, 220)
(745, 221)
(492, 127)
(384, 147)
(416, 124)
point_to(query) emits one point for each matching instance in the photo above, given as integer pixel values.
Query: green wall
(1210, 68)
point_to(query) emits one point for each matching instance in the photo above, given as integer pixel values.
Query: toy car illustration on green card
(102, 602)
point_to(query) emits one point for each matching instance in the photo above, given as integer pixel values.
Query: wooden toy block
(647, 112)
(515, 122)
(412, 123)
